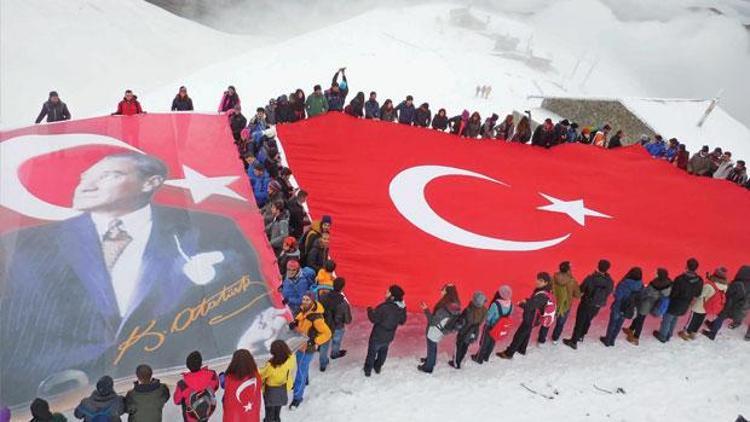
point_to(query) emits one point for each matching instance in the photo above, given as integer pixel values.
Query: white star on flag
(202, 186)
(248, 407)
(574, 209)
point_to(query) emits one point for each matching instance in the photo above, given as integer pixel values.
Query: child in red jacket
(196, 391)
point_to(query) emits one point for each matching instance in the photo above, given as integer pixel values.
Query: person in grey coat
(657, 291)
(54, 109)
(278, 228)
(439, 323)
(102, 402)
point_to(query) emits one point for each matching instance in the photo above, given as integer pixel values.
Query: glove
(293, 325)
(311, 346)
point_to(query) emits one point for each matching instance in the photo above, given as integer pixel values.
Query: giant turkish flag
(420, 208)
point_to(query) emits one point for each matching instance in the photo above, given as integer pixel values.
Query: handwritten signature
(186, 317)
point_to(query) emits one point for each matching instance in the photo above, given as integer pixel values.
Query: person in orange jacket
(309, 322)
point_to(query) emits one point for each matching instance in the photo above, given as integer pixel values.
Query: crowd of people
(297, 106)
(315, 293)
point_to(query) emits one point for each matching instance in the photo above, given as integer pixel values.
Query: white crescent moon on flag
(407, 193)
(245, 385)
(16, 151)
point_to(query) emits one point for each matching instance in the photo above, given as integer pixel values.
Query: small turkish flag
(420, 208)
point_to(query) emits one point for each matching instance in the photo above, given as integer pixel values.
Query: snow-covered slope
(90, 51)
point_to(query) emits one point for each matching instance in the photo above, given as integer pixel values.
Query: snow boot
(422, 368)
(570, 343)
(709, 334)
(377, 369)
(632, 339)
(453, 364)
(605, 342)
(685, 335)
(658, 336)
(503, 355)
(340, 354)
(628, 332)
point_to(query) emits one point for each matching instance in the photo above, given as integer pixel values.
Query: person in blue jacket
(501, 307)
(296, 284)
(259, 180)
(406, 111)
(372, 107)
(624, 304)
(657, 147)
(336, 95)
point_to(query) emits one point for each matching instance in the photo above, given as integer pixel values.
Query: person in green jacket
(565, 289)
(316, 103)
(144, 403)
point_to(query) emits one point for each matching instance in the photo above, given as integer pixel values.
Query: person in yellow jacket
(309, 322)
(278, 379)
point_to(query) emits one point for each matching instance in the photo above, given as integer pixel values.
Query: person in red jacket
(196, 391)
(242, 388)
(129, 105)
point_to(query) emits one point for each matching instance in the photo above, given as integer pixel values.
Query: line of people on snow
(296, 106)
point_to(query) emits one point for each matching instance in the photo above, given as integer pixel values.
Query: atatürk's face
(111, 184)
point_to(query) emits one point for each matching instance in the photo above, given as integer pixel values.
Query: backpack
(547, 316)
(502, 325)
(716, 302)
(201, 404)
(100, 416)
(629, 305)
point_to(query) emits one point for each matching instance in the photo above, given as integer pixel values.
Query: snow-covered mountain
(90, 51)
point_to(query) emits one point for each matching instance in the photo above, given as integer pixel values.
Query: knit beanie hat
(478, 299)
(505, 292)
(326, 219)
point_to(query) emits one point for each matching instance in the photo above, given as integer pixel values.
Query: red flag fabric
(421, 208)
(126, 240)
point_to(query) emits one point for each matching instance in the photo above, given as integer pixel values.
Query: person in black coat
(318, 253)
(616, 140)
(297, 214)
(54, 109)
(533, 308)
(237, 122)
(284, 111)
(544, 134)
(561, 132)
(356, 105)
(736, 305)
(686, 287)
(182, 102)
(385, 319)
(423, 116)
(595, 290)
(337, 315)
(440, 121)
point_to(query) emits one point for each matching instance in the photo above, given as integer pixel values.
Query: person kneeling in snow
(309, 322)
(533, 309)
(468, 325)
(385, 319)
